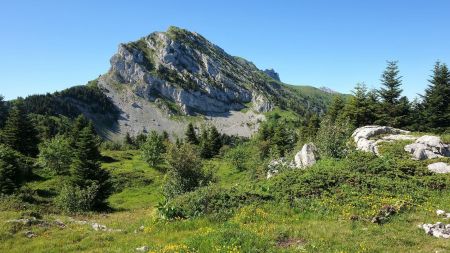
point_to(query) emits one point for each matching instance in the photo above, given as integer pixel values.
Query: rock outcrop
(428, 147)
(439, 229)
(367, 138)
(273, 74)
(439, 167)
(184, 67)
(307, 156)
(278, 165)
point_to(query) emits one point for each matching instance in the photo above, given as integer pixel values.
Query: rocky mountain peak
(273, 74)
(185, 68)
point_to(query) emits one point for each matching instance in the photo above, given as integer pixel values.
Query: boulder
(142, 249)
(428, 147)
(439, 167)
(275, 166)
(438, 230)
(307, 156)
(366, 139)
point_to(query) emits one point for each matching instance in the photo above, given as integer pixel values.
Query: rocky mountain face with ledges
(198, 76)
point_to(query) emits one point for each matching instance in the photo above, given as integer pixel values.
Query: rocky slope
(160, 81)
(167, 79)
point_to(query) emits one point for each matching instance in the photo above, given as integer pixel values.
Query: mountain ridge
(165, 80)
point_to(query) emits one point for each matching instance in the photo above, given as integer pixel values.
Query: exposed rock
(439, 230)
(99, 227)
(428, 147)
(180, 73)
(385, 213)
(273, 74)
(30, 234)
(142, 249)
(439, 167)
(96, 226)
(365, 137)
(278, 165)
(307, 156)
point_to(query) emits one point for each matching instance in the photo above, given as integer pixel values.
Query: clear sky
(51, 45)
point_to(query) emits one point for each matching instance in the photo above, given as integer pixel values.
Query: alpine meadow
(182, 147)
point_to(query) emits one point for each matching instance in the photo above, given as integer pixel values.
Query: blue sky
(51, 45)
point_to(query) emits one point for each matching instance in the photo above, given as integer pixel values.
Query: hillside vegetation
(301, 183)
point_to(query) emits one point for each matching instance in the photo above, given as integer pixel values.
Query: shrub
(185, 170)
(153, 149)
(220, 202)
(73, 199)
(238, 157)
(332, 137)
(55, 155)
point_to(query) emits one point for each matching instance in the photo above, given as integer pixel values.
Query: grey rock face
(428, 147)
(439, 167)
(273, 74)
(186, 68)
(307, 156)
(366, 139)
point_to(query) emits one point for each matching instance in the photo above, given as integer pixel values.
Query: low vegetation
(66, 190)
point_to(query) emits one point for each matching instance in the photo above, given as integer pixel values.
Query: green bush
(185, 171)
(73, 199)
(55, 155)
(238, 158)
(217, 201)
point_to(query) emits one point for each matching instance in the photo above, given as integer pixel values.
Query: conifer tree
(13, 169)
(19, 133)
(336, 108)
(360, 108)
(215, 139)
(190, 135)
(205, 144)
(3, 111)
(85, 168)
(391, 112)
(437, 98)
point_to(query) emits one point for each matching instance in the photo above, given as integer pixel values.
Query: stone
(428, 147)
(438, 230)
(439, 168)
(278, 165)
(99, 227)
(30, 234)
(440, 212)
(307, 156)
(142, 249)
(365, 137)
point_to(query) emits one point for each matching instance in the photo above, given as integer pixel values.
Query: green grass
(319, 223)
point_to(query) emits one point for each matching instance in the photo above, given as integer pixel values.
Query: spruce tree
(3, 111)
(19, 133)
(437, 98)
(215, 139)
(336, 108)
(360, 109)
(390, 94)
(205, 144)
(190, 135)
(14, 169)
(85, 168)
